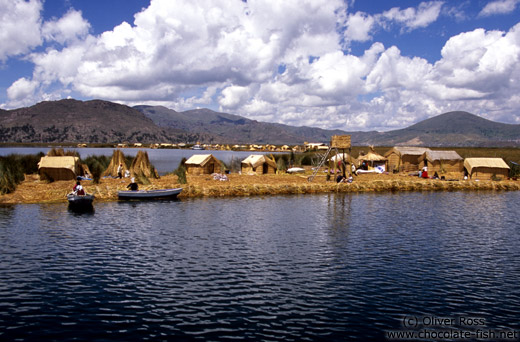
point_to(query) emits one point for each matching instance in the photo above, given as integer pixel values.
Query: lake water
(331, 267)
(164, 160)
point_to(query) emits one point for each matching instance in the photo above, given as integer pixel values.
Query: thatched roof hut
(141, 166)
(372, 159)
(259, 164)
(486, 168)
(202, 164)
(441, 161)
(406, 159)
(117, 158)
(59, 168)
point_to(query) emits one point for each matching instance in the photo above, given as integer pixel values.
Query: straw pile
(59, 152)
(32, 190)
(117, 158)
(141, 167)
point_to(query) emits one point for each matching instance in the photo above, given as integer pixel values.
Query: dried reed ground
(32, 190)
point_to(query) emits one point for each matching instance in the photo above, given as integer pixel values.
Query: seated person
(133, 185)
(78, 189)
(424, 173)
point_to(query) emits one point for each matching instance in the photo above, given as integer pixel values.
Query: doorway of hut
(265, 168)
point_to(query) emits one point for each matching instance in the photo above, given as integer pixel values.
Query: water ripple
(292, 268)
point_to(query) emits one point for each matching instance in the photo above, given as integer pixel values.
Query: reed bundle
(117, 158)
(142, 168)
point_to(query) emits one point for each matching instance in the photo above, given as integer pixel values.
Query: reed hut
(372, 159)
(55, 168)
(141, 166)
(404, 158)
(202, 164)
(486, 168)
(441, 161)
(117, 158)
(259, 164)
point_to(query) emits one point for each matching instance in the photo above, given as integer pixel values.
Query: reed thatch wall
(486, 168)
(57, 168)
(404, 159)
(258, 164)
(487, 173)
(202, 165)
(441, 161)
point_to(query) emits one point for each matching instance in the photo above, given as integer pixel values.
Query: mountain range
(97, 121)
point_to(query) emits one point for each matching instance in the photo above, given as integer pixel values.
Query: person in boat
(78, 189)
(133, 185)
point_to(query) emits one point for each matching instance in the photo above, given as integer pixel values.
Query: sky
(355, 65)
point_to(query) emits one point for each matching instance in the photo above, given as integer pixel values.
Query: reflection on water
(312, 267)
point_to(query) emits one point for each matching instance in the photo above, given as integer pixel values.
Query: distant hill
(231, 128)
(77, 121)
(99, 121)
(451, 129)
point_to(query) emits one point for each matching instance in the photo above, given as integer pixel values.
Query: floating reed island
(34, 190)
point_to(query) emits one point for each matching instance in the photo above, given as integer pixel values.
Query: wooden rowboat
(80, 202)
(149, 194)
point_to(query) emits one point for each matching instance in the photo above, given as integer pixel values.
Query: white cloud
(234, 96)
(271, 60)
(21, 89)
(499, 7)
(68, 28)
(359, 27)
(14, 39)
(425, 14)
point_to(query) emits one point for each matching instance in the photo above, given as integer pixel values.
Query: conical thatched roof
(372, 155)
(117, 158)
(141, 166)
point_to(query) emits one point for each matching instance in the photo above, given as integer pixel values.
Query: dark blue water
(284, 268)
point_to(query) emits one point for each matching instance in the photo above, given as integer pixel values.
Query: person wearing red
(78, 189)
(424, 173)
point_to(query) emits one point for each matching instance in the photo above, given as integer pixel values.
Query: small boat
(149, 194)
(197, 147)
(80, 202)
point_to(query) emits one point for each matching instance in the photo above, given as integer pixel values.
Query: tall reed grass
(13, 168)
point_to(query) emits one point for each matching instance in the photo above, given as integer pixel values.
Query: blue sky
(352, 65)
